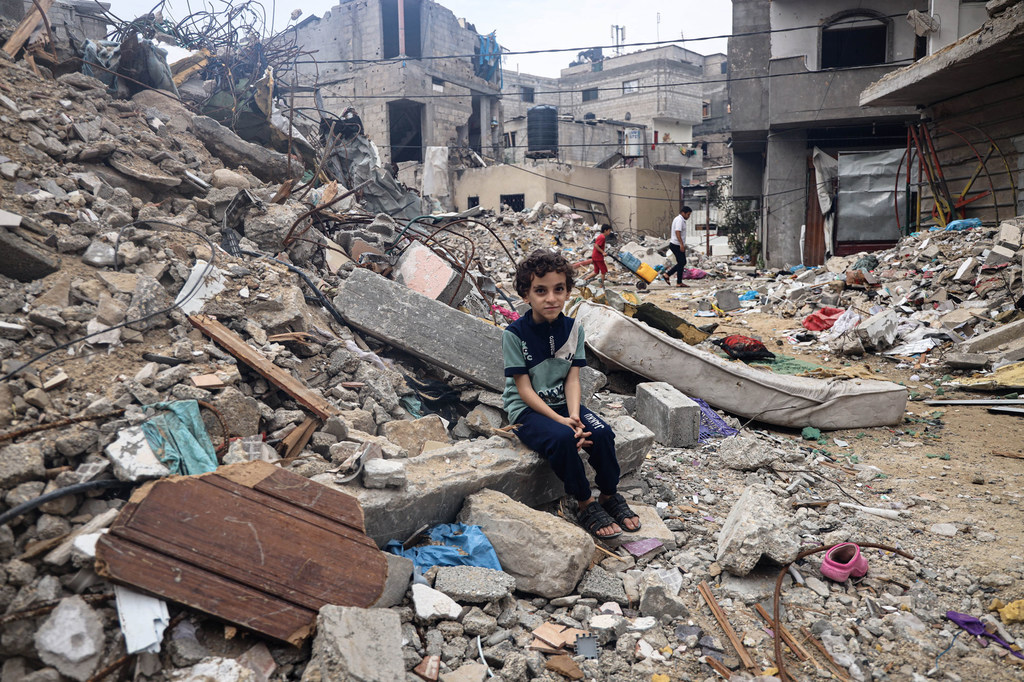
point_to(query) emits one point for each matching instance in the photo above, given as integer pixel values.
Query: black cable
(506, 53)
(188, 296)
(26, 507)
(324, 301)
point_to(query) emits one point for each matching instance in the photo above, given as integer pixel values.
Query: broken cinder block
(674, 418)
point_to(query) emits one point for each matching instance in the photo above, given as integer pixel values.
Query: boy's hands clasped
(574, 423)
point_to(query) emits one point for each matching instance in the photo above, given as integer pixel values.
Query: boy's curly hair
(538, 264)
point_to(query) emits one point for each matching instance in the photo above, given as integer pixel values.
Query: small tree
(738, 219)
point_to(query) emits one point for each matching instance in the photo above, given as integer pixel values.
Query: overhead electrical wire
(649, 43)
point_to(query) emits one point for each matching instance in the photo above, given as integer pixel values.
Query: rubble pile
(122, 315)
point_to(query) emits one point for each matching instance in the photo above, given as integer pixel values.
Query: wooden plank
(786, 635)
(247, 540)
(295, 441)
(316, 498)
(297, 545)
(26, 27)
(723, 621)
(234, 344)
(170, 578)
(718, 667)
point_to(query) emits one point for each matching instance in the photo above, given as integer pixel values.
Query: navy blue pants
(557, 444)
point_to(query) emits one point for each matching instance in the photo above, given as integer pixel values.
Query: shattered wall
(637, 199)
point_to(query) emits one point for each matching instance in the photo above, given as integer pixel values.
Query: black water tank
(542, 130)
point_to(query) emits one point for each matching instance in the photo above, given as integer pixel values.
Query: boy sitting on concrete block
(543, 353)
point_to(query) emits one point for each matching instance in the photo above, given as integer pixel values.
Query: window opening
(527, 94)
(589, 94)
(405, 124)
(630, 86)
(516, 202)
(392, 41)
(853, 41)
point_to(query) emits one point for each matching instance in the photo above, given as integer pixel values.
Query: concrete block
(429, 329)
(22, 260)
(1009, 236)
(384, 473)
(21, 462)
(71, 639)
(727, 299)
(559, 551)
(426, 273)
(998, 255)
(356, 644)
(439, 480)
(474, 584)
(411, 434)
(674, 418)
(878, 332)
(966, 360)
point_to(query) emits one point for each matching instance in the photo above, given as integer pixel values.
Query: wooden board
(26, 27)
(234, 344)
(250, 543)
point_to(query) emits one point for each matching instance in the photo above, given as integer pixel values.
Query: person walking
(677, 242)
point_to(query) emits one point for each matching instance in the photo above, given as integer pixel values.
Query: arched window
(859, 39)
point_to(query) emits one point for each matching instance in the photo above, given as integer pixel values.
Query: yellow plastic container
(647, 273)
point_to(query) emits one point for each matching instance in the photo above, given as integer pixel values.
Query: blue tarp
(458, 545)
(178, 437)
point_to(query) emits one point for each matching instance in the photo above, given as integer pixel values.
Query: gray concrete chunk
(429, 329)
(21, 462)
(674, 418)
(362, 645)
(71, 639)
(438, 481)
(474, 584)
(757, 526)
(22, 260)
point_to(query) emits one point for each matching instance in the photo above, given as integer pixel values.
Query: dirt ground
(962, 464)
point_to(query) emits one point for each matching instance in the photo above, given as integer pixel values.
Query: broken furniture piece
(250, 543)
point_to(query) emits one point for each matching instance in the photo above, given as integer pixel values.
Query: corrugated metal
(992, 112)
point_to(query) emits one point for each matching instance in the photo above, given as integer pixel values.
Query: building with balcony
(970, 88)
(803, 146)
(658, 92)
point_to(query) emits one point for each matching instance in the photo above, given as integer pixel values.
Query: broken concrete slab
(399, 574)
(432, 605)
(651, 528)
(71, 639)
(878, 332)
(559, 553)
(356, 644)
(266, 164)
(474, 584)
(426, 273)
(384, 473)
(21, 462)
(992, 339)
(757, 526)
(744, 453)
(459, 343)
(674, 418)
(439, 480)
(23, 260)
(411, 434)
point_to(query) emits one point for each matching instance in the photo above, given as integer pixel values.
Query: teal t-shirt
(545, 351)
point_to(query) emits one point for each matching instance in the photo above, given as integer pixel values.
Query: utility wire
(509, 53)
(571, 91)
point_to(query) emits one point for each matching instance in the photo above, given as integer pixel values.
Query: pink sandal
(842, 561)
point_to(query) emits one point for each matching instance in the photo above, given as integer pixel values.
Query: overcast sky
(534, 24)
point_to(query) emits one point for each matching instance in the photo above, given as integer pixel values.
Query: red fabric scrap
(823, 319)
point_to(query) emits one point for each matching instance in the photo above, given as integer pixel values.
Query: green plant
(737, 219)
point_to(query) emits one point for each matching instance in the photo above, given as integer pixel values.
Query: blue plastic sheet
(964, 224)
(178, 437)
(458, 545)
(750, 295)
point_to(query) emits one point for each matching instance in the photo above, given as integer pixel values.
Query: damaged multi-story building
(418, 76)
(821, 166)
(970, 87)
